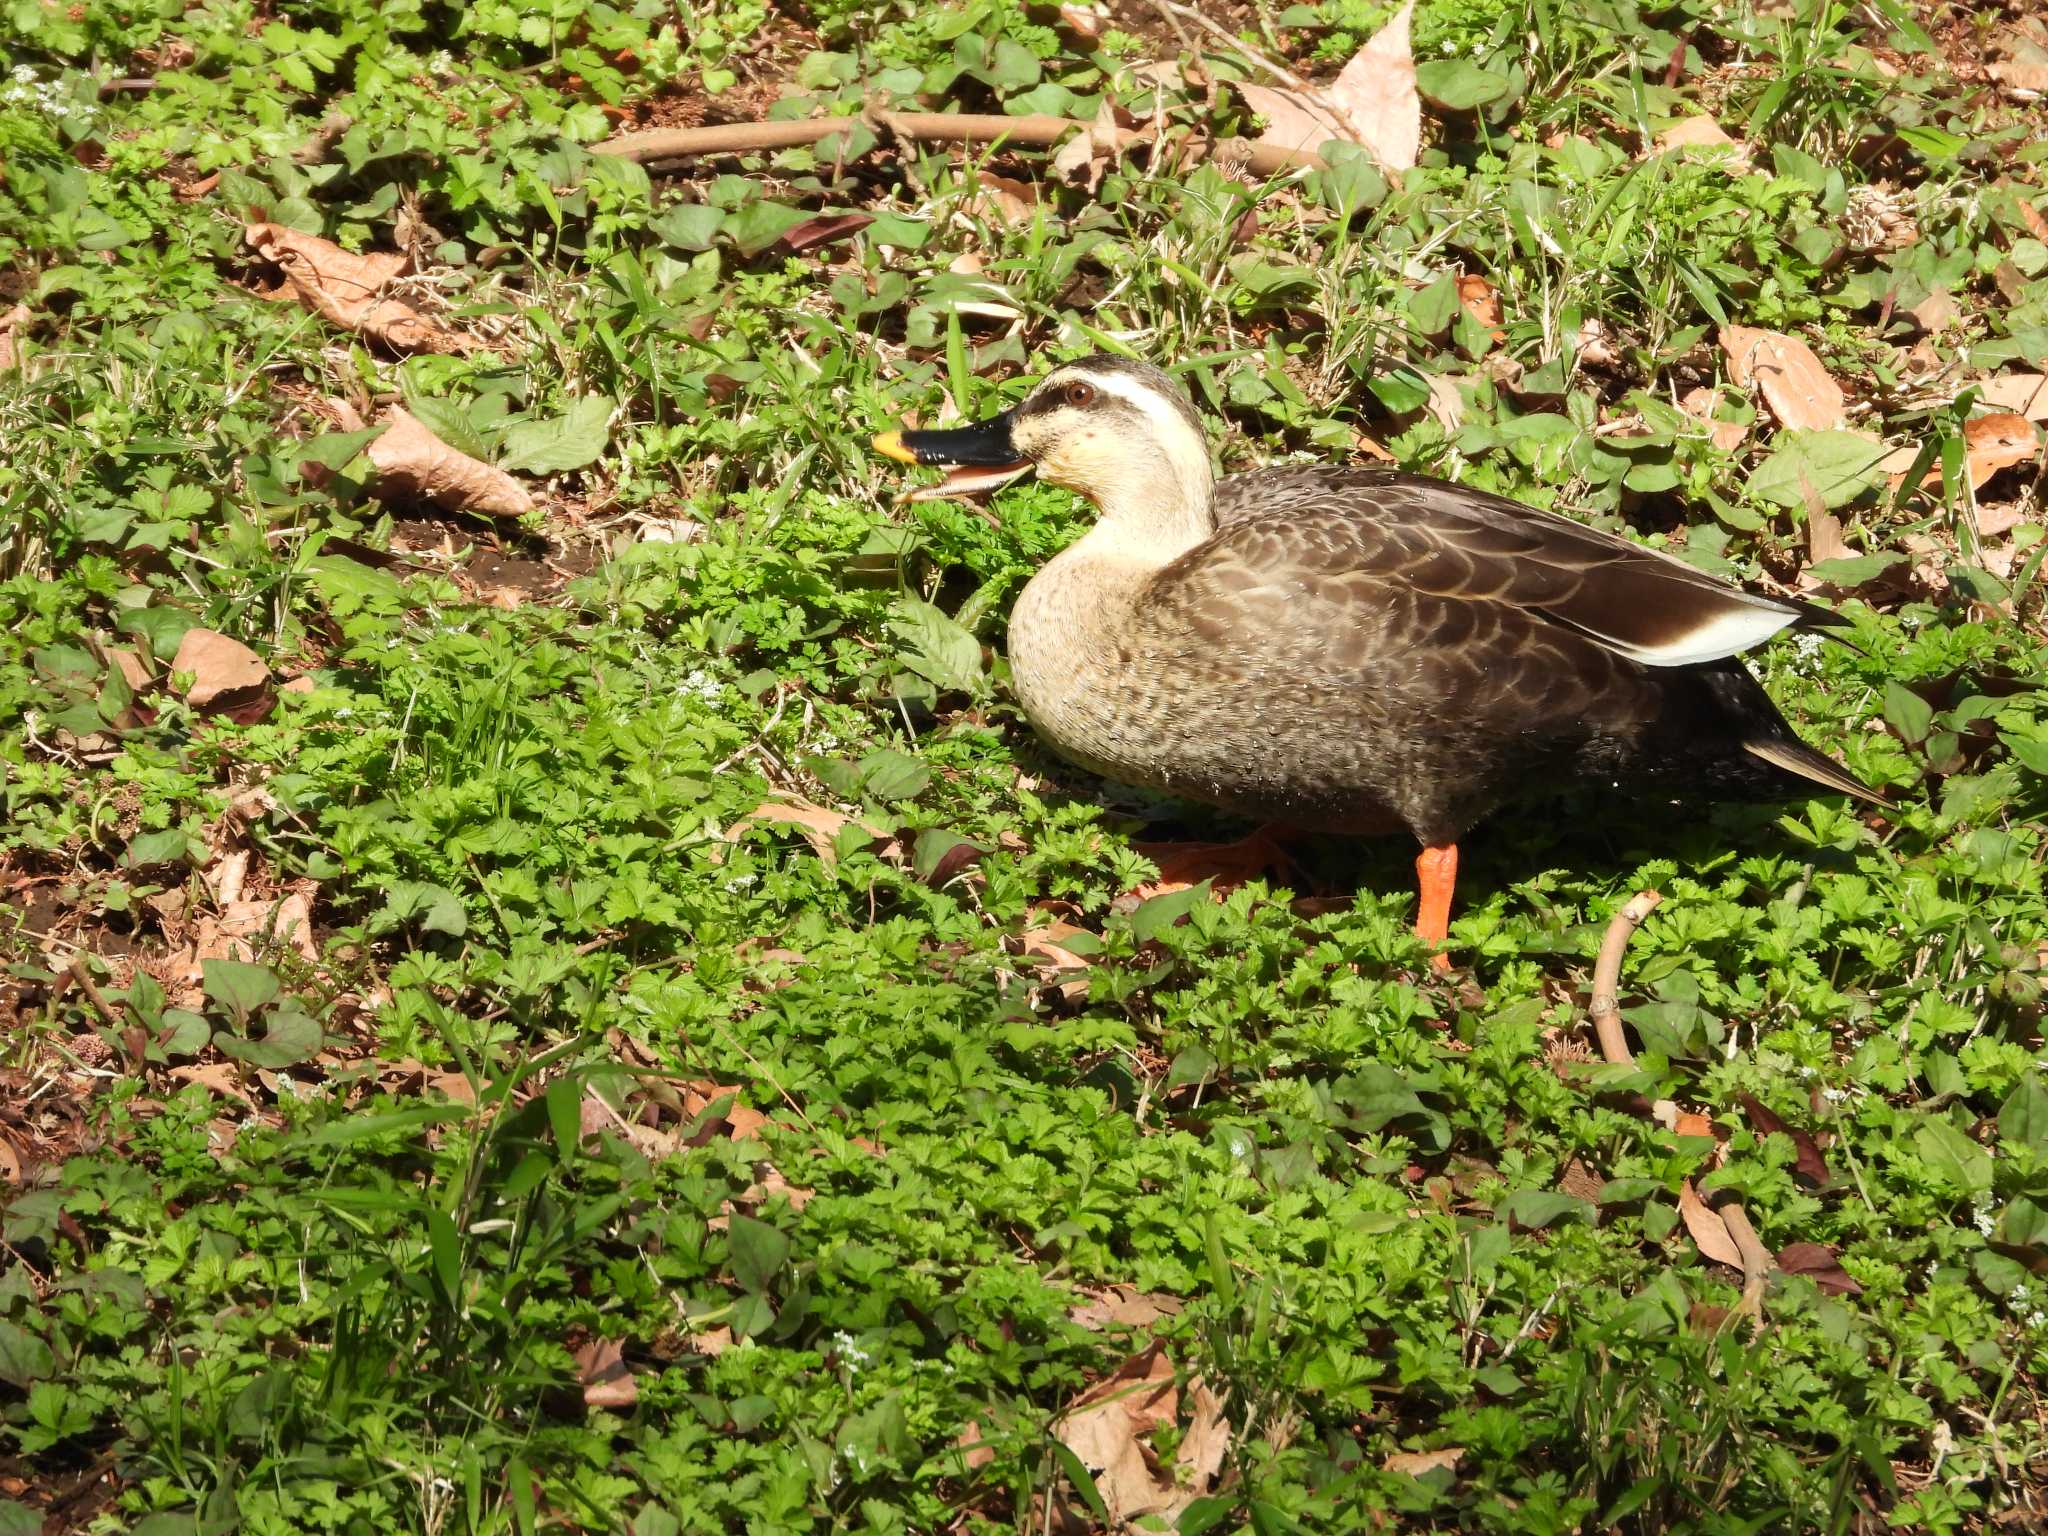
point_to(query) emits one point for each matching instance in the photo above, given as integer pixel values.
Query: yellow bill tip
(890, 445)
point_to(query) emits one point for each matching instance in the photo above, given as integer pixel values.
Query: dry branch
(1757, 1262)
(659, 145)
(1605, 1008)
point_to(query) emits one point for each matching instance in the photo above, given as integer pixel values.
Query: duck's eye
(1079, 393)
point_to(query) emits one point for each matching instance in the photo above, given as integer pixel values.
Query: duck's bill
(980, 458)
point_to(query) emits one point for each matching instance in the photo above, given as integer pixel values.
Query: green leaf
(237, 986)
(1459, 84)
(290, 1036)
(165, 847)
(449, 422)
(758, 1251)
(1193, 1064)
(560, 443)
(444, 1247)
(1906, 712)
(1542, 1207)
(433, 908)
(2024, 1117)
(1951, 1155)
(759, 224)
(891, 775)
(19, 1519)
(1837, 467)
(1432, 309)
(24, 1357)
(1156, 914)
(1851, 571)
(937, 648)
(2030, 752)
(565, 1116)
(347, 586)
(689, 226)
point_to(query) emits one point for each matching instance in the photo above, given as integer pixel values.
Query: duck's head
(1116, 430)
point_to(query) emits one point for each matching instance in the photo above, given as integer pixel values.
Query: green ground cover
(726, 1077)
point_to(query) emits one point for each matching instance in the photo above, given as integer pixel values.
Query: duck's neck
(1150, 514)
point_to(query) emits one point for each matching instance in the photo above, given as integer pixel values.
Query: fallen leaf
(10, 1162)
(1481, 300)
(130, 666)
(711, 1343)
(2025, 74)
(1373, 102)
(819, 824)
(1936, 312)
(974, 1450)
(824, 230)
(607, 1381)
(237, 932)
(1229, 865)
(1446, 405)
(1087, 155)
(1800, 392)
(224, 672)
(414, 465)
(1415, 1463)
(2023, 394)
(1086, 20)
(1809, 1162)
(1109, 1427)
(1581, 1182)
(1124, 1306)
(221, 1077)
(11, 322)
(1700, 404)
(344, 289)
(1997, 442)
(1700, 132)
(1002, 200)
(1690, 1122)
(1709, 1232)
(1820, 1264)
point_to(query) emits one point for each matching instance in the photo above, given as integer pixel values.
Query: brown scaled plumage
(1358, 650)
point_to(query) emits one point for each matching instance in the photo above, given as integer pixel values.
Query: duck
(1356, 650)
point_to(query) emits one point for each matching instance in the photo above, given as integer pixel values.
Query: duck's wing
(1389, 539)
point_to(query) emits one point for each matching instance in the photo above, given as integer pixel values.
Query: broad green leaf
(444, 1247)
(1953, 1156)
(19, 1519)
(449, 422)
(433, 908)
(1459, 84)
(1852, 571)
(237, 986)
(758, 1251)
(1906, 712)
(1542, 1207)
(565, 1115)
(290, 1036)
(2024, 1117)
(1156, 914)
(759, 224)
(24, 1357)
(689, 226)
(1837, 467)
(560, 443)
(937, 648)
(891, 775)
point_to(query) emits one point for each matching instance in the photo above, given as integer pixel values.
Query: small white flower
(700, 685)
(1834, 1095)
(848, 1349)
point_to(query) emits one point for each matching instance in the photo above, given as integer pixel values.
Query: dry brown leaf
(1481, 301)
(1581, 1182)
(974, 1451)
(414, 465)
(1997, 442)
(11, 322)
(1801, 393)
(1415, 1463)
(1087, 155)
(1700, 132)
(1936, 312)
(711, 1343)
(1819, 1263)
(1109, 1428)
(607, 1380)
(1709, 1232)
(1725, 435)
(2023, 394)
(219, 1077)
(1690, 1122)
(819, 824)
(344, 289)
(1824, 539)
(1125, 1306)
(224, 672)
(237, 931)
(1373, 102)
(2025, 73)
(1446, 405)
(10, 1162)
(1002, 200)
(1087, 21)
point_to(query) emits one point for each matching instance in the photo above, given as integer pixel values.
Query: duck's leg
(1436, 874)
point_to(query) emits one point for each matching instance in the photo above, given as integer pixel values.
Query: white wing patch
(1737, 625)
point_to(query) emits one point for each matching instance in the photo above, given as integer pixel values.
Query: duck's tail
(1797, 758)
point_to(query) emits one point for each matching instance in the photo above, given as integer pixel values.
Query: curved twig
(1037, 130)
(1604, 1009)
(1757, 1262)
